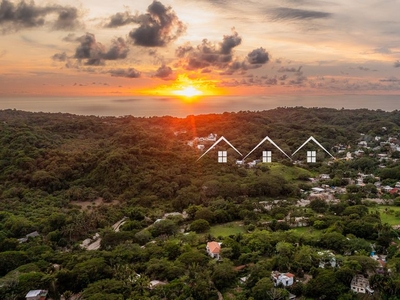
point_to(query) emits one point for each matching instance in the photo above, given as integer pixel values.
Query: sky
(199, 47)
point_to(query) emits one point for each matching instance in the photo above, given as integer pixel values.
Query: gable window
(222, 156)
(267, 157)
(311, 156)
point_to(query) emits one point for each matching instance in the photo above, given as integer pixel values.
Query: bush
(200, 225)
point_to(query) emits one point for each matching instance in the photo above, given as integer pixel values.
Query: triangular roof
(216, 143)
(311, 138)
(267, 138)
(214, 247)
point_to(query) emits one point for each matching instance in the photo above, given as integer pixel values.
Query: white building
(286, 279)
(360, 284)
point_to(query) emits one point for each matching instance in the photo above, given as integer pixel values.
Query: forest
(66, 179)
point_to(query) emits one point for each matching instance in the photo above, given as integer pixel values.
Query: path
(94, 243)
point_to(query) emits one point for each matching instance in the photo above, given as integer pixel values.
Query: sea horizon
(139, 106)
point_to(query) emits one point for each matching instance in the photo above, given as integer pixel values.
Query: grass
(309, 231)
(289, 173)
(387, 213)
(227, 229)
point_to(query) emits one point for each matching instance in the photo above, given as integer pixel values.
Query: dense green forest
(69, 177)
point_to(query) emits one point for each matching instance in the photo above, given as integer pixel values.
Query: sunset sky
(211, 47)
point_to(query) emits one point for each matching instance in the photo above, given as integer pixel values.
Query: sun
(189, 88)
(188, 91)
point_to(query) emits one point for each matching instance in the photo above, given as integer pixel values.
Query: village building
(213, 249)
(36, 295)
(285, 279)
(312, 154)
(327, 258)
(360, 284)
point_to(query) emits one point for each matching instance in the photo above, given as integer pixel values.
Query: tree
(167, 227)
(223, 274)
(262, 289)
(319, 205)
(200, 225)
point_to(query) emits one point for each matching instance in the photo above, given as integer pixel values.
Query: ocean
(164, 106)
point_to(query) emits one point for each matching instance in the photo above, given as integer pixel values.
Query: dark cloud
(390, 79)
(60, 56)
(290, 70)
(397, 64)
(14, 17)
(129, 73)
(71, 37)
(163, 72)
(158, 27)
(258, 56)
(287, 13)
(68, 19)
(118, 50)
(283, 77)
(95, 53)
(229, 42)
(182, 50)
(121, 19)
(209, 55)
(271, 81)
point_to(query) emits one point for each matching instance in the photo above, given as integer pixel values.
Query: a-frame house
(267, 155)
(222, 155)
(312, 154)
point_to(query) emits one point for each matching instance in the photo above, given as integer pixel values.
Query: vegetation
(66, 179)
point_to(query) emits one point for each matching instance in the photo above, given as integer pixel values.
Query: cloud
(390, 79)
(287, 13)
(95, 53)
(60, 56)
(2, 53)
(397, 64)
(121, 19)
(68, 19)
(71, 37)
(158, 27)
(229, 42)
(129, 73)
(209, 54)
(290, 70)
(14, 17)
(363, 68)
(271, 81)
(258, 56)
(283, 77)
(163, 72)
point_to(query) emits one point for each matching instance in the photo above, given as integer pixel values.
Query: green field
(387, 213)
(289, 173)
(227, 229)
(309, 231)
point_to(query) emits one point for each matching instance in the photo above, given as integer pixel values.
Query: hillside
(69, 177)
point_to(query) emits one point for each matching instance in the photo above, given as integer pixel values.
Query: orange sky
(202, 47)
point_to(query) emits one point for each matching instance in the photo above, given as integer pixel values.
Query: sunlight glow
(188, 88)
(189, 91)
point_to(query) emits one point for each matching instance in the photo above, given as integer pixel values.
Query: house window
(266, 157)
(222, 156)
(311, 156)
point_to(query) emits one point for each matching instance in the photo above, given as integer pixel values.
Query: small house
(360, 284)
(213, 249)
(36, 295)
(286, 279)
